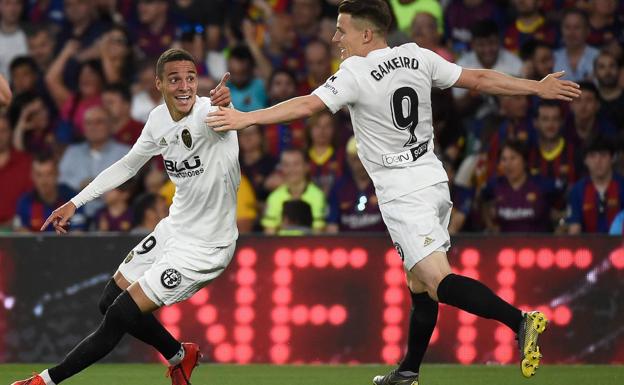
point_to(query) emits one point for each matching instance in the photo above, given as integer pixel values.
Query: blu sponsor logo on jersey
(185, 168)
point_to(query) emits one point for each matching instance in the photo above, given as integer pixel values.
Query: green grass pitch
(207, 374)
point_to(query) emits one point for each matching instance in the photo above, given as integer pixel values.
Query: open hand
(221, 95)
(226, 119)
(552, 87)
(60, 218)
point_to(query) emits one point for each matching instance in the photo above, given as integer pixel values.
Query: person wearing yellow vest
(405, 10)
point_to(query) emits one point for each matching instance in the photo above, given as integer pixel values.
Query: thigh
(143, 256)
(182, 273)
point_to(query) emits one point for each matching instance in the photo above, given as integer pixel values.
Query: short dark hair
(599, 143)
(141, 204)
(44, 157)
(528, 49)
(283, 71)
(297, 150)
(297, 212)
(518, 146)
(20, 61)
(548, 104)
(119, 89)
(575, 11)
(589, 86)
(241, 52)
(172, 54)
(375, 11)
(483, 29)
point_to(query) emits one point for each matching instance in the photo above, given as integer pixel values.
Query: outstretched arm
(226, 119)
(5, 92)
(497, 83)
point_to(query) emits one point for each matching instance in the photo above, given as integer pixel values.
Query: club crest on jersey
(187, 139)
(171, 278)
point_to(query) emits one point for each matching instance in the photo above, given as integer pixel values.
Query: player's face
(607, 71)
(548, 122)
(348, 37)
(178, 87)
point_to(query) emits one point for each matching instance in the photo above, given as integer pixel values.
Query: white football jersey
(388, 94)
(203, 165)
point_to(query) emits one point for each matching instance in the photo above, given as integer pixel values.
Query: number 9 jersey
(388, 94)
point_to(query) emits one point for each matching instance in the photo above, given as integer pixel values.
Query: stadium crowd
(82, 77)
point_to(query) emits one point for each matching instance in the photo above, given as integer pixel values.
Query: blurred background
(82, 74)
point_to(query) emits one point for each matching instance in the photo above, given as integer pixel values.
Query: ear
(158, 84)
(368, 35)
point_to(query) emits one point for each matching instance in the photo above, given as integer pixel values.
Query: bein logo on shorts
(171, 278)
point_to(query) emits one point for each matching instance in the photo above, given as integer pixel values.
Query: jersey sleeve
(340, 90)
(443, 73)
(146, 144)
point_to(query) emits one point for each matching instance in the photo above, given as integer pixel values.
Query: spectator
(14, 172)
(24, 75)
(318, 65)
(553, 157)
(46, 12)
(585, 120)
(426, 34)
(604, 24)
(84, 161)
(116, 55)
(12, 36)
(529, 24)
(306, 16)
(283, 86)
(576, 58)
(405, 11)
(462, 15)
(246, 206)
(595, 200)
(73, 104)
(35, 206)
(116, 100)
(464, 211)
(539, 59)
(148, 210)
(617, 227)
(192, 40)
(256, 164)
(146, 97)
(155, 31)
(41, 46)
(34, 126)
(5, 93)
(248, 92)
(326, 159)
(486, 53)
(607, 72)
(353, 204)
(116, 215)
(296, 218)
(296, 186)
(515, 201)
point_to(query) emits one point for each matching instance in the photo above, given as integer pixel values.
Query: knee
(110, 293)
(433, 282)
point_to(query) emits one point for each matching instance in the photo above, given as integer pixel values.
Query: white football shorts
(418, 222)
(170, 271)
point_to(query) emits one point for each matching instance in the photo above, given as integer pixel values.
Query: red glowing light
(280, 315)
(562, 315)
(243, 354)
(617, 258)
(318, 315)
(466, 334)
(243, 334)
(339, 258)
(583, 258)
(200, 298)
(391, 334)
(393, 296)
(247, 257)
(279, 354)
(302, 257)
(244, 314)
(506, 277)
(170, 315)
(283, 257)
(503, 353)
(564, 258)
(337, 315)
(470, 273)
(245, 295)
(545, 258)
(224, 352)
(280, 334)
(299, 315)
(282, 276)
(394, 276)
(393, 315)
(434, 336)
(245, 276)
(207, 314)
(393, 259)
(174, 331)
(546, 310)
(358, 258)
(320, 258)
(507, 257)
(503, 335)
(508, 294)
(282, 296)
(466, 354)
(526, 258)
(391, 354)
(216, 334)
(466, 318)
(470, 257)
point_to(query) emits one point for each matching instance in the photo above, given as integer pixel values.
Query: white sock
(46, 377)
(173, 361)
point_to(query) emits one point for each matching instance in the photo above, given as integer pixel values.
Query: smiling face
(178, 86)
(348, 37)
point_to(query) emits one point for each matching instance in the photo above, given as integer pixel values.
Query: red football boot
(181, 373)
(34, 380)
